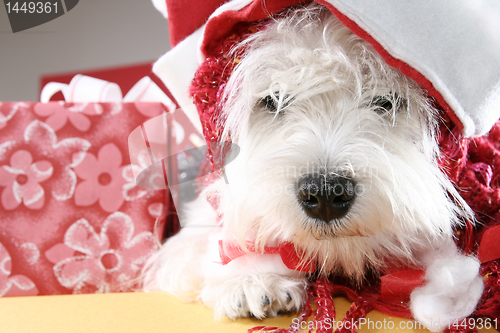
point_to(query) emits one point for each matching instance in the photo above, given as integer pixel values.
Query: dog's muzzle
(326, 197)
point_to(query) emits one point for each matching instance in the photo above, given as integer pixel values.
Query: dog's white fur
(324, 81)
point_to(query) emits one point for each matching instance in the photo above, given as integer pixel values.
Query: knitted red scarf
(472, 164)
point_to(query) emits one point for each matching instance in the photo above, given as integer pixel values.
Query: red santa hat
(450, 47)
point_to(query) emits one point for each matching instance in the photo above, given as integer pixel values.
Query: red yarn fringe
(210, 80)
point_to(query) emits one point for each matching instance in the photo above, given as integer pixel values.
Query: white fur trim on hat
(455, 44)
(161, 6)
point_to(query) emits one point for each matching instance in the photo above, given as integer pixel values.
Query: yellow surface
(139, 312)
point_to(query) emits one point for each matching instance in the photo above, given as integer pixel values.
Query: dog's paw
(259, 295)
(451, 293)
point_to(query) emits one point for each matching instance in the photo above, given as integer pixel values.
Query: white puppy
(338, 157)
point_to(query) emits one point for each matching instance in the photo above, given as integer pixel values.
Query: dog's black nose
(326, 197)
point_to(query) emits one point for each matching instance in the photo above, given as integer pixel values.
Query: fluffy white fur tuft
(452, 290)
(311, 98)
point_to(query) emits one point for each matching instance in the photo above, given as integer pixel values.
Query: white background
(94, 34)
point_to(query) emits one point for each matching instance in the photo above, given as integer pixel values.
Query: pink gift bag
(72, 219)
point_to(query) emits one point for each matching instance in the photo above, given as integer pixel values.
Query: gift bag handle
(51, 88)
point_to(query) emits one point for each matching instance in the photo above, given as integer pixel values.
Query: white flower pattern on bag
(58, 114)
(22, 179)
(13, 285)
(105, 180)
(42, 140)
(8, 110)
(104, 262)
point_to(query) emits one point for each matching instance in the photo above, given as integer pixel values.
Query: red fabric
(475, 164)
(124, 76)
(398, 286)
(72, 218)
(219, 27)
(287, 252)
(488, 248)
(186, 16)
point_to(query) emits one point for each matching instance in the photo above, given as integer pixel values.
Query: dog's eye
(388, 104)
(271, 103)
(382, 104)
